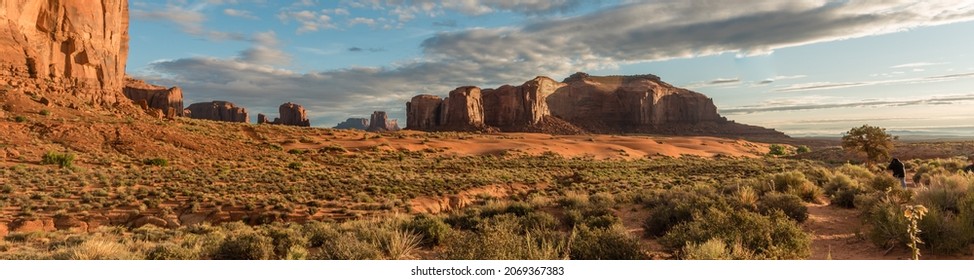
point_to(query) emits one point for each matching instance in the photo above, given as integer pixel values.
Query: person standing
(899, 171)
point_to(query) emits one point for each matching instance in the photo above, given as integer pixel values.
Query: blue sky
(808, 68)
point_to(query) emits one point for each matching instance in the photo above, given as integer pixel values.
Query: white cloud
(239, 13)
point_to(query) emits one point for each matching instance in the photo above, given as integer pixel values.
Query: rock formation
(354, 123)
(70, 48)
(262, 119)
(581, 103)
(380, 122)
(293, 114)
(168, 101)
(423, 113)
(217, 111)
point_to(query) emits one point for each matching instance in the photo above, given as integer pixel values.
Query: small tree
(777, 150)
(871, 141)
(803, 149)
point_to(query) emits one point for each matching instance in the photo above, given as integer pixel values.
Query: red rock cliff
(76, 47)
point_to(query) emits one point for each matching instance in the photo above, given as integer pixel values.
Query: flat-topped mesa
(597, 104)
(354, 123)
(168, 100)
(217, 111)
(71, 48)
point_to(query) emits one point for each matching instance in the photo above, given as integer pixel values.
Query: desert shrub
(612, 243)
(857, 172)
(603, 200)
(716, 249)
(668, 208)
(803, 149)
(245, 246)
(770, 237)
(169, 251)
(63, 160)
(432, 229)
(777, 150)
(334, 148)
(819, 176)
(574, 200)
(97, 249)
(946, 233)
(594, 217)
(336, 245)
(504, 238)
(809, 193)
(156, 162)
(295, 165)
(882, 183)
(297, 151)
(787, 181)
(886, 224)
(789, 204)
(289, 243)
(45, 112)
(20, 119)
(747, 197)
(838, 182)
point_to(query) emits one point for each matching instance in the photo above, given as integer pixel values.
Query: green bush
(245, 246)
(156, 162)
(883, 183)
(886, 224)
(20, 119)
(504, 238)
(604, 244)
(803, 149)
(45, 112)
(297, 151)
(946, 233)
(63, 160)
(777, 150)
(838, 182)
(790, 204)
(169, 251)
(333, 244)
(289, 243)
(716, 249)
(668, 208)
(770, 237)
(432, 229)
(295, 165)
(857, 172)
(594, 217)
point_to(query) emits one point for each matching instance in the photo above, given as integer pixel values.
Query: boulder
(354, 123)
(21, 225)
(164, 99)
(217, 111)
(77, 48)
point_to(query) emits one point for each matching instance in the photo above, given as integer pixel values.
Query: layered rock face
(292, 114)
(423, 112)
(380, 122)
(581, 103)
(168, 100)
(217, 111)
(354, 123)
(262, 119)
(76, 48)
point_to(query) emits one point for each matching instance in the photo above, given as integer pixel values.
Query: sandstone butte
(354, 123)
(217, 111)
(581, 103)
(291, 114)
(67, 48)
(380, 122)
(158, 100)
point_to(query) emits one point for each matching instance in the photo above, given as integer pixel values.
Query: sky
(807, 68)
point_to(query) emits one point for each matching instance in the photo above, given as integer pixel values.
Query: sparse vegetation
(63, 160)
(156, 162)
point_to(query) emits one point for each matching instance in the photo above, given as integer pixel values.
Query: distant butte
(580, 104)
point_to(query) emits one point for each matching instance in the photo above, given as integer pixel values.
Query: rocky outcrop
(354, 123)
(380, 122)
(73, 48)
(168, 101)
(291, 114)
(423, 112)
(580, 103)
(217, 111)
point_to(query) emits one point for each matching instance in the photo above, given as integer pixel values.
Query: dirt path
(838, 234)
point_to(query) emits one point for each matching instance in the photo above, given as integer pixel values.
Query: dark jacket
(897, 167)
